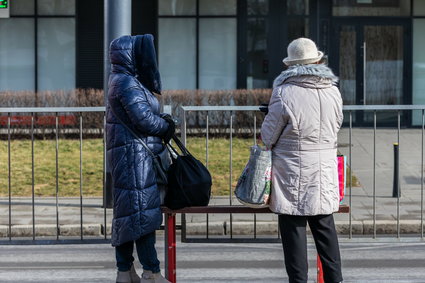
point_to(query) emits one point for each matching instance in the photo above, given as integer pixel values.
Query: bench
(170, 231)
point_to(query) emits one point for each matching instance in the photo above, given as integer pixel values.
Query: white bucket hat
(302, 51)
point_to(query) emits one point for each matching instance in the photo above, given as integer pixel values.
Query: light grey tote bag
(253, 187)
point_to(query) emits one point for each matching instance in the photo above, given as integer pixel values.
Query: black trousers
(294, 241)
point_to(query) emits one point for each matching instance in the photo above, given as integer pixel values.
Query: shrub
(218, 121)
(44, 123)
(93, 122)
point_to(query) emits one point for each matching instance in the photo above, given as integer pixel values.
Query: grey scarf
(318, 70)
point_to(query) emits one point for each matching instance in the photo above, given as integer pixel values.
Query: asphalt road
(362, 262)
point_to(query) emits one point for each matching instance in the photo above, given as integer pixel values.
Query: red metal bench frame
(170, 231)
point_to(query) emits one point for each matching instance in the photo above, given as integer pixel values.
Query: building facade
(374, 46)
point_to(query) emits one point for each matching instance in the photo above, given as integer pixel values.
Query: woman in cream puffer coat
(305, 115)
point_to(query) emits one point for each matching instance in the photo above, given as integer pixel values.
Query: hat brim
(288, 62)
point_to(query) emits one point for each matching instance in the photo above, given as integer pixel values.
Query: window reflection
(371, 8)
(297, 7)
(257, 72)
(347, 64)
(17, 63)
(258, 7)
(56, 54)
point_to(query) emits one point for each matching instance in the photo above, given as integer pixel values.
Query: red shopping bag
(341, 176)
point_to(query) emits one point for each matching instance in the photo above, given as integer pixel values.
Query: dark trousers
(294, 241)
(146, 252)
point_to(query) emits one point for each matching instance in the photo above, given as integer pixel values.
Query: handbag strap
(178, 142)
(134, 134)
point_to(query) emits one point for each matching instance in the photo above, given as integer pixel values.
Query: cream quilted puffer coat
(305, 115)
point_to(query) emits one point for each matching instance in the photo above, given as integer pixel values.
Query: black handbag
(189, 181)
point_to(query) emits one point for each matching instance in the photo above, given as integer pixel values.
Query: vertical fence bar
(32, 176)
(207, 140)
(183, 128)
(350, 215)
(183, 137)
(422, 177)
(230, 157)
(231, 171)
(105, 232)
(81, 176)
(255, 129)
(9, 183)
(57, 175)
(374, 174)
(398, 177)
(206, 164)
(255, 143)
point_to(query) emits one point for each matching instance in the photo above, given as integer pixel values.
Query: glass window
(217, 54)
(56, 7)
(217, 7)
(258, 64)
(258, 7)
(347, 65)
(17, 54)
(418, 7)
(22, 8)
(418, 68)
(384, 64)
(297, 7)
(177, 53)
(176, 7)
(56, 54)
(371, 8)
(297, 27)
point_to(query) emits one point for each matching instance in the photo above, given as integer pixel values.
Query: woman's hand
(264, 107)
(171, 128)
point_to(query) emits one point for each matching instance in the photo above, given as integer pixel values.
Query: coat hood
(311, 75)
(135, 55)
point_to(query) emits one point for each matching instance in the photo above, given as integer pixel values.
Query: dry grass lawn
(92, 165)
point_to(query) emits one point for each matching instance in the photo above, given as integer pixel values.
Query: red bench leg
(170, 248)
(320, 278)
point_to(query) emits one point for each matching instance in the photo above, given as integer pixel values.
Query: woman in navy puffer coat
(133, 79)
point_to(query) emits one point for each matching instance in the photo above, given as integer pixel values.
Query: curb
(364, 227)
(217, 228)
(51, 230)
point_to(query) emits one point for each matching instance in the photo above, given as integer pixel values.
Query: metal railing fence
(348, 110)
(56, 111)
(186, 112)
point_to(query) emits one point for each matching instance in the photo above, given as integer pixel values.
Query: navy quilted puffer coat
(134, 76)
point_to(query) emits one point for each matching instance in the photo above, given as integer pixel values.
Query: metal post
(320, 277)
(170, 247)
(396, 187)
(117, 22)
